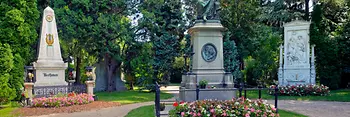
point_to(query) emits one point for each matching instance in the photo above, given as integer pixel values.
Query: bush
(301, 90)
(63, 100)
(213, 108)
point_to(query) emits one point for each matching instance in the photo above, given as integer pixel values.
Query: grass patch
(342, 95)
(148, 111)
(7, 110)
(129, 97)
(284, 113)
(144, 111)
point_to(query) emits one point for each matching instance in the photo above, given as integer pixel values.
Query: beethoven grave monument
(207, 61)
(295, 66)
(50, 67)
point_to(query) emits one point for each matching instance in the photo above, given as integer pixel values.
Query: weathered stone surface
(295, 65)
(207, 64)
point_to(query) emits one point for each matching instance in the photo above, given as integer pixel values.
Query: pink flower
(272, 114)
(252, 109)
(247, 115)
(224, 114)
(182, 114)
(194, 114)
(212, 110)
(198, 114)
(273, 108)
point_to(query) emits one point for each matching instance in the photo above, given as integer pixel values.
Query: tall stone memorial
(50, 67)
(207, 61)
(295, 64)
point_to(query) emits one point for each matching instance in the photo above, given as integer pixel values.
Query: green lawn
(148, 111)
(342, 95)
(129, 97)
(6, 110)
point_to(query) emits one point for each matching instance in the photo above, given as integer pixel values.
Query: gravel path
(315, 108)
(119, 111)
(308, 108)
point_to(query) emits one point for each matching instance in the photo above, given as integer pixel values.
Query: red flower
(182, 102)
(175, 104)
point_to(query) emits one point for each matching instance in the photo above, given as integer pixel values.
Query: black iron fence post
(276, 95)
(259, 91)
(245, 91)
(240, 90)
(197, 92)
(157, 100)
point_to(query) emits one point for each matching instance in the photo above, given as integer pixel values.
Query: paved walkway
(309, 108)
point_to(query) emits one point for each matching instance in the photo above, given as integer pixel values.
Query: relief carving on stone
(296, 49)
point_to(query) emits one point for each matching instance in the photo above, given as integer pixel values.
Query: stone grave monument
(50, 67)
(207, 61)
(295, 67)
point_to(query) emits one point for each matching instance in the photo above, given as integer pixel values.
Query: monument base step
(189, 95)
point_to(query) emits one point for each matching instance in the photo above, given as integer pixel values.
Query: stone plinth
(50, 68)
(207, 63)
(28, 87)
(90, 87)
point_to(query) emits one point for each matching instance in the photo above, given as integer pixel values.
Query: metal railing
(198, 90)
(47, 91)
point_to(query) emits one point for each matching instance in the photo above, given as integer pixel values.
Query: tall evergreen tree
(18, 21)
(164, 24)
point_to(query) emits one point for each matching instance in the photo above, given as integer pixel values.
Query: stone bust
(208, 10)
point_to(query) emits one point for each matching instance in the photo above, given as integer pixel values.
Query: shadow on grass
(129, 97)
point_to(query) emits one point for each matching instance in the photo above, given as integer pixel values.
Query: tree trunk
(77, 76)
(111, 66)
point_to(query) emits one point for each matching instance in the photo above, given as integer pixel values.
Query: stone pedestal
(207, 63)
(50, 68)
(28, 87)
(90, 87)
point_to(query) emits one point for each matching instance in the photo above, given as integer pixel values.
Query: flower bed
(239, 107)
(301, 90)
(63, 100)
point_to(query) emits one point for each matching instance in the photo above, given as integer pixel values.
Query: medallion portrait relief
(209, 52)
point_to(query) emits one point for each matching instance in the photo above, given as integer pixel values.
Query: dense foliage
(163, 23)
(239, 107)
(6, 59)
(331, 42)
(61, 100)
(301, 90)
(18, 21)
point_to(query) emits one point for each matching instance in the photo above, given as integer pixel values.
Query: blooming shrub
(301, 90)
(239, 107)
(59, 101)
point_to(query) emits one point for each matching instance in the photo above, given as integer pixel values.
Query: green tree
(238, 16)
(18, 21)
(6, 60)
(326, 50)
(231, 63)
(163, 22)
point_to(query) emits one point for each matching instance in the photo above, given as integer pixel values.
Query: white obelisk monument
(50, 67)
